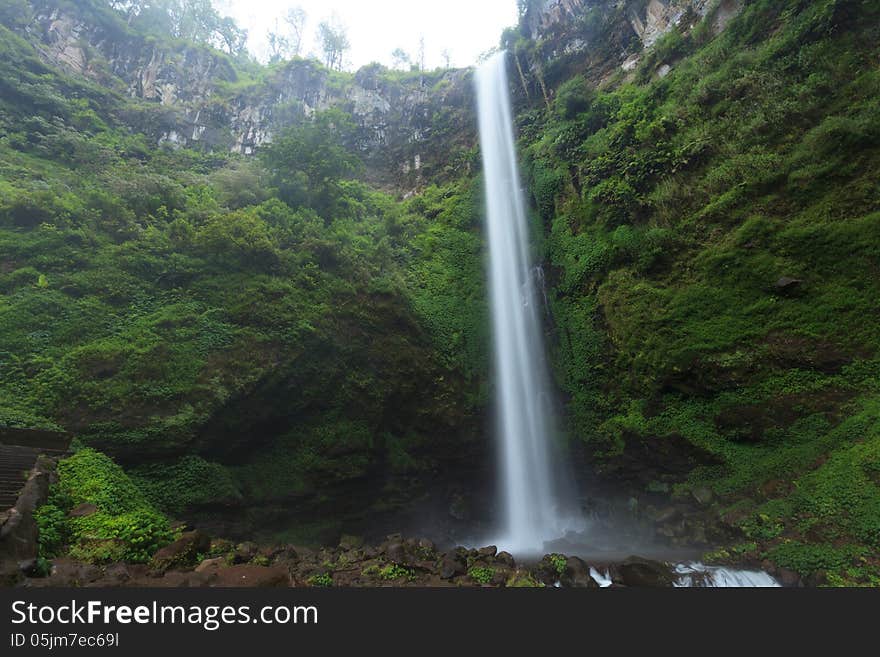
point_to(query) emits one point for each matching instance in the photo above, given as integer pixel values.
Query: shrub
(481, 574)
(52, 530)
(125, 527)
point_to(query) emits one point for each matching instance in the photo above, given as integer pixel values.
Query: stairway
(19, 449)
(15, 464)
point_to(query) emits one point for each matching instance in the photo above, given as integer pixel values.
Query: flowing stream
(531, 499)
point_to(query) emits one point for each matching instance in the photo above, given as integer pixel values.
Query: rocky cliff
(204, 99)
(412, 127)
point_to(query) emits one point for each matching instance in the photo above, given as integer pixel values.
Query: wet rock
(395, 552)
(116, 574)
(210, 565)
(577, 573)
(487, 552)
(175, 579)
(500, 576)
(788, 578)
(426, 544)
(787, 285)
(83, 510)
(182, 552)
(819, 578)
(636, 571)
(452, 565)
(505, 559)
(69, 573)
(245, 552)
(247, 575)
(28, 567)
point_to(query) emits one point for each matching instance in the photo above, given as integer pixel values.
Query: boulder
(636, 571)
(395, 552)
(787, 285)
(116, 574)
(788, 578)
(577, 573)
(452, 565)
(245, 552)
(487, 552)
(83, 510)
(181, 553)
(211, 565)
(246, 575)
(505, 559)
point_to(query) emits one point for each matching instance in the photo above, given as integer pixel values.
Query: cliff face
(564, 36)
(649, 19)
(208, 102)
(410, 125)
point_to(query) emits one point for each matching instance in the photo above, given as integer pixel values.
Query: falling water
(530, 494)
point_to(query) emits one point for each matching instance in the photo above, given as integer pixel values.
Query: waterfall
(530, 496)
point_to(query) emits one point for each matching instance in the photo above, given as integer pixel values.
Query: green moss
(482, 574)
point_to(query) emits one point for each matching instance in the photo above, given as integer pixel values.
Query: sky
(466, 28)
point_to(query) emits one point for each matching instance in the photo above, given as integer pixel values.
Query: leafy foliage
(674, 206)
(124, 526)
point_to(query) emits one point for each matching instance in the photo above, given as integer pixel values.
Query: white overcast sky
(375, 28)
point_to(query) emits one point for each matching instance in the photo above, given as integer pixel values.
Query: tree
(422, 53)
(279, 45)
(334, 42)
(401, 59)
(309, 162)
(447, 58)
(296, 21)
(233, 38)
(193, 20)
(286, 41)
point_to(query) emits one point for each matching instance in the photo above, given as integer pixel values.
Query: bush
(52, 530)
(124, 528)
(482, 574)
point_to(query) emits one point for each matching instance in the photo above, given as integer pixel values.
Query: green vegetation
(321, 579)
(157, 302)
(121, 526)
(710, 226)
(482, 574)
(395, 571)
(675, 208)
(559, 563)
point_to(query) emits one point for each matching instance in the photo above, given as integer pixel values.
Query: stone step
(15, 463)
